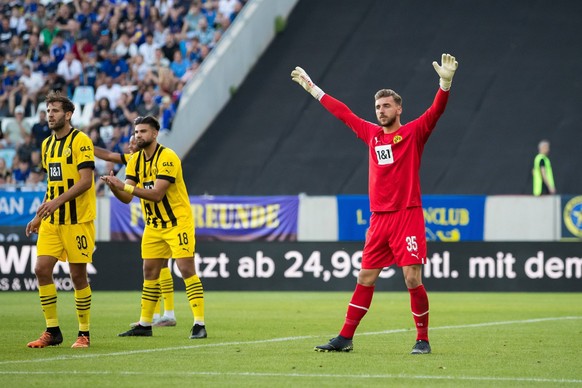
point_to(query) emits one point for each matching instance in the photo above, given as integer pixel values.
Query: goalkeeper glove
(300, 76)
(446, 71)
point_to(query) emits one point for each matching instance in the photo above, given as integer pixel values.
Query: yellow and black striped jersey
(125, 158)
(62, 159)
(174, 209)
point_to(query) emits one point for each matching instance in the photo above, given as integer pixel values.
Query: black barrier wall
(511, 266)
(485, 142)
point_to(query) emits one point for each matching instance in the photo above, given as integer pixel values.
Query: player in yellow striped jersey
(166, 281)
(65, 220)
(154, 174)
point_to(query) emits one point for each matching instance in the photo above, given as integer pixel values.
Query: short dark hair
(149, 120)
(388, 93)
(56, 96)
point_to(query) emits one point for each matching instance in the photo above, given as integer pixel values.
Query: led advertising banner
(11, 234)
(272, 266)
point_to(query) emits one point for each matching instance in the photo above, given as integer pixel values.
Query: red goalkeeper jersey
(394, 160)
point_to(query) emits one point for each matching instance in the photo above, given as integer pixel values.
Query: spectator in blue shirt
(168, 111)
(84, 15)
(209, 11)
(10, 87)
(179, 65)
(30, 7)
(10, 78)
(21, 172)
(191, 49)
(59, 48)
(115, 67)
(174, 22)
(46, 65)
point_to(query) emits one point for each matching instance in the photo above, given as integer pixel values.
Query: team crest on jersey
(154, 171)
(68, 152)
(397, 139)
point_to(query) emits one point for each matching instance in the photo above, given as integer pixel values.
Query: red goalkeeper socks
(358, 307)
(419, 307)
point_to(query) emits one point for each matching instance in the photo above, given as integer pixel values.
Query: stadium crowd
(116, 59)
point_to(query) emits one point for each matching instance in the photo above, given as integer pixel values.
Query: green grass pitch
(266, 339)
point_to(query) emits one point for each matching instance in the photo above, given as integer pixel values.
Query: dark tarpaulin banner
(9, 234)
(220, 218)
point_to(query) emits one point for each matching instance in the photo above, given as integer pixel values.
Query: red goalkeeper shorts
(395, 238)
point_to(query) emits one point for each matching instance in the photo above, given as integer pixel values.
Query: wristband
(128, 188)
(317, 93)
(445, 84)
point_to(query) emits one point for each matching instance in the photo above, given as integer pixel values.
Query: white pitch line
(282, 339)
(297, 375)
(469, 326)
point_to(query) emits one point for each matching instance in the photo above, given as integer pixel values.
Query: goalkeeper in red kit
(397, 232)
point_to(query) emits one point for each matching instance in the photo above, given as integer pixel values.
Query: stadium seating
(8, 155)
(83, 95)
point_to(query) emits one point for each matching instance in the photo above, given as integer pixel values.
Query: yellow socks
(149, 297)
(195, 294)
(83, 306)
(167, 286)
(48, 302)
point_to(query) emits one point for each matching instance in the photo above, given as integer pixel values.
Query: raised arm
(108, 156)
(334, 106)
(446, 70)
(300, 76)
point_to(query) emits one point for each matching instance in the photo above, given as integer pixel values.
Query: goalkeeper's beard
(388, 124)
